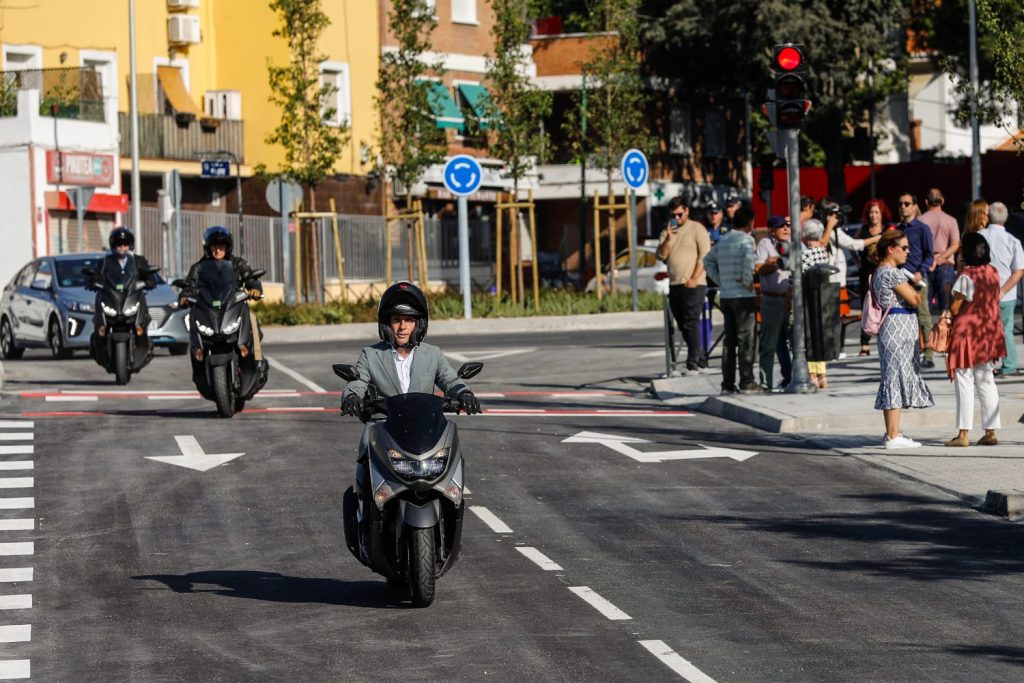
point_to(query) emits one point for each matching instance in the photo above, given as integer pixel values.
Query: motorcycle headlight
(233, 325)
(108, 310)
(132, 310)
(188, 322)
(419, 469)
(208, 331)
(81, 307)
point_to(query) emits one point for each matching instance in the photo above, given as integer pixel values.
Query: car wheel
(7, 344)
(55, 340)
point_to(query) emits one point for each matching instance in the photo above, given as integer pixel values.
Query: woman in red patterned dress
(976, 340)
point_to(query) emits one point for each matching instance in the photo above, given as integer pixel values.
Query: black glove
(351, 405)
(469, 403)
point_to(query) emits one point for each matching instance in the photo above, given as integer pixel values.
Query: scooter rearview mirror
(178, 284)
(257, 274)
(470, 370)
(346, 372)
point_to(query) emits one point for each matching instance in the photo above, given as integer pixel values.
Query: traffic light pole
(799, 382)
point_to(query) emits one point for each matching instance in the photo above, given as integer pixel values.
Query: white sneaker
(900, 442)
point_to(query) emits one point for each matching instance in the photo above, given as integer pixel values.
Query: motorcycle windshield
(217, 282)
(415, 421)
(118, 280)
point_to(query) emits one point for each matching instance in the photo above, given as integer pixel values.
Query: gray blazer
(376, 366)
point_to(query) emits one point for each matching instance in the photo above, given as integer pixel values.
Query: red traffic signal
(788, 57)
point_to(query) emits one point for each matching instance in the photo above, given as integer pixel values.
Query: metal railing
(67, 93)
(363, 244)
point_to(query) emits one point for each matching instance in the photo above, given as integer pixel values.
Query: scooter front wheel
(421, 568)
(121, 375)
(222, 391)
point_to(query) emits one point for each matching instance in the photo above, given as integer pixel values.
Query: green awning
(477, 97)
(446, 112)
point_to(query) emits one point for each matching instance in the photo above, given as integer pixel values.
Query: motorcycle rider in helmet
(121, 258)
(402, 362)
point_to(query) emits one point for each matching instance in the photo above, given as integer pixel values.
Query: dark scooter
(403, 516)
(124, 348)
(221, 338)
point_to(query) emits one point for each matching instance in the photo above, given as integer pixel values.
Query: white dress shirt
(1007, 255)
(404, 367)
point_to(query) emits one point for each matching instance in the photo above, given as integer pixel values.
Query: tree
(846, 42)
(409, 138)
(311, 146)
(514, 108)
(616, 95)
(997, 21)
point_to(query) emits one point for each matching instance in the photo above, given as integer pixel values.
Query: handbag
(938, 339)
(872, 316)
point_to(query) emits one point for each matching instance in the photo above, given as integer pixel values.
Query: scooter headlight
(108, 310)
(204, 329)
(232, 326)
(419, 469)
(132, 310)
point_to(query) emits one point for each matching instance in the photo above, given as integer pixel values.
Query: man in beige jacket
(683, 245)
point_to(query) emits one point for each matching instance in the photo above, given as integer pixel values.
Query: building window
(337, 104)
(464, 12)
(21, 57)
(679, 141)
(714, 132)
(431, 6)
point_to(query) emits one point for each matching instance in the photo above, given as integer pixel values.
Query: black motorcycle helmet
(121, 235)
(217, 233)
(403, 298)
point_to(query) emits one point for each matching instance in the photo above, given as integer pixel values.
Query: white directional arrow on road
(619, 444)
(193, 456)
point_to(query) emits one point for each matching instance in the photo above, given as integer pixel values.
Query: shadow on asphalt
(910, 537)
(274, 587)
(1009, 655)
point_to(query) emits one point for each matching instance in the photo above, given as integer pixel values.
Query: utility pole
(975, 127)
(134, 115)
(583, 185)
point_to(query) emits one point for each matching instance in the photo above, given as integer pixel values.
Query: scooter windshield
(119, 282)
(415, 421)
(217, 282)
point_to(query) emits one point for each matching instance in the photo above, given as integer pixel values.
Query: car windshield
(217, 282)
(416, 421)
(69, 272)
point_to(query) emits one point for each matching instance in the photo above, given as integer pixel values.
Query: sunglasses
(678, 214)
(906, 203)
(904, 247)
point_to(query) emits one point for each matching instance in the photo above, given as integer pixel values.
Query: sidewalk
(843, 418)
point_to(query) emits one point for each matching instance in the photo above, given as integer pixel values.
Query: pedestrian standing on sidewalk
(731, 265)
(875, 219)
(976, 341)
(899, 350)
(946, 242)
(815, 253)
(918, 264)
(772, 269)
(683, 245)
(1008, 259)
(977, 216)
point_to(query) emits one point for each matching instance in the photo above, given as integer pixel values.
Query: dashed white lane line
(16, 574)
(606, 608)
(12, 669)
(540, 559)
(18, 548)
(489, 518)
(65, 399)
(17, 503)
(274, 363)
(16, 601)
(22, 449)
(16, 483)
(16, 424)
(16, 465)
(673, 661)
(17, 524)
(22, 633)
(16, 436)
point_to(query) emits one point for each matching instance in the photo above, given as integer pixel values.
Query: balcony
(66, 93)
(163, 136)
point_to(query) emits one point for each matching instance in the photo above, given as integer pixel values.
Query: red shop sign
(79, 168)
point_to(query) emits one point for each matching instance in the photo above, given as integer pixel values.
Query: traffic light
(791, 103)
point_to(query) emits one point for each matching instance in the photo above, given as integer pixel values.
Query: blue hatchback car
(46, 305)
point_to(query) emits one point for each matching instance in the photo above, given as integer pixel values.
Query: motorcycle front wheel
(421, 568)
(222, 391)
(121, 375)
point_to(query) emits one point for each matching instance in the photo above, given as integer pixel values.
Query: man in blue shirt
(919, 263)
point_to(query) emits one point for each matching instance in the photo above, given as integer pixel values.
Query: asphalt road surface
(608, 537)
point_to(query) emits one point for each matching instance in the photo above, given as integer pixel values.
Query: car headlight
(132, 310)
(208, 331)
(173, 305)
(233, 325)
(81, 307)
(419, 469)
(188, 322)
(109, 311)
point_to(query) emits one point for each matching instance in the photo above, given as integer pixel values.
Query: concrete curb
(1009, 505)
(477, 326)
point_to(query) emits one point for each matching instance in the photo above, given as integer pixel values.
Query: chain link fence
(67, 93)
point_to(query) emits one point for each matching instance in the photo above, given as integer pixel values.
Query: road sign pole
(178, 237)
(799, 382)
(80, 215)
(464, 281)
(284, 198)
(632, 250)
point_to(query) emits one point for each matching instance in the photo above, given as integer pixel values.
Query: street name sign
(216, 168)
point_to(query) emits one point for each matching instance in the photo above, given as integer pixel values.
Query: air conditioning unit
(223, 104)
(183, 29)
(182, 4)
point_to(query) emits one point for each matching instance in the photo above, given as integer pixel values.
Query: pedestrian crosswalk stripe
(12, 669)
(16, 482)
(17, 524)
(15, 574)
(16, 424)
(21, 449)
(21, 633)
(16, 436)
(17, 503)
(16, 464)
(18, 548)
(16, 601)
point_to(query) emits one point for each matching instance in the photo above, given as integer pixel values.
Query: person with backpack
(894, 301)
